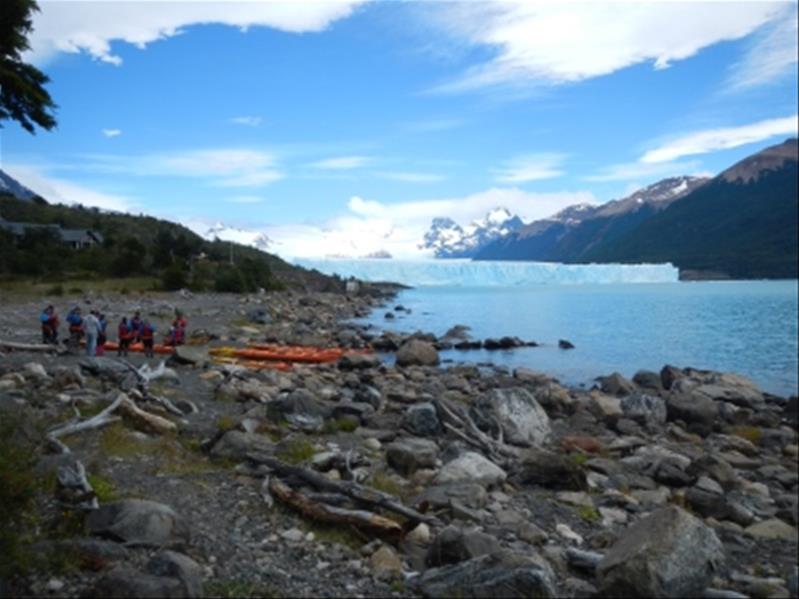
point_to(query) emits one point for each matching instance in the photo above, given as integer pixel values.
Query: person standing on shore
(75, 321)
(135, 327)
(124, 335)
(49, 321)
(101, 337)
(91, 328)
(147, 332)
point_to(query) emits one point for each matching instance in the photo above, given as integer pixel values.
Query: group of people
(92, 328)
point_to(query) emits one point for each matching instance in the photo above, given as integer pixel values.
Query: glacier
(467, 273)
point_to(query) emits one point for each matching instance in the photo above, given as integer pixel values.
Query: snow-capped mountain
(222, 232)
(11, 186)
(448, 239)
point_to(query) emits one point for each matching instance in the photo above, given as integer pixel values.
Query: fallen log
(34, 347)
(151, 422)
(73, 478)
(361, 494)
(329, 514)
(101, 419)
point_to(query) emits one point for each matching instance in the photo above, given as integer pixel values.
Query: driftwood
(458, 422)
(364, 495)
(34, 347)
(73, 478)
(151, 422)
(101, 419)
(322, 512)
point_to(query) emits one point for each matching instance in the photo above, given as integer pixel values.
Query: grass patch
(239, 588)
(78, 285)
(226, 423)
(104, 488)
(117, 441)
(588, 513)
(578, 459)
(753, 434)
(296, 451)
(345, 425)
(339, 535)
(381, 481)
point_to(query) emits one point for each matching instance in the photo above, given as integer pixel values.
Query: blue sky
(345, 127)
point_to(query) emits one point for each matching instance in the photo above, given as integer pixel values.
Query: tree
(22, 94)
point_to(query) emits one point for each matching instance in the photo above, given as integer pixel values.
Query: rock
(550, 470)
(420, 534)
(646, 410)
(421, 419)
(180, 566)
(670, 374)
(189, 354)
(358, 362)
(259, 316)
(728, 387)
(565, 344)
(294, 535)
(527, 375)
(235, 445)
(459, 331)
(497, 575)
(670, 553)
(453, 545)
(386, 563)
(440, 496)
(696, 411)
(606, 407)
(615, 384)
(410, 454)
(417, 353)
(138, 522)
(646, 379)
(35, 371)
(773, 528)
(790, 410)
(522, 419)
(299, 408)
(54, 585)
(471, 467)
(124, 582)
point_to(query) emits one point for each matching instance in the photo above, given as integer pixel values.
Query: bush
(174, 277)
(229, 280)
(57, 290)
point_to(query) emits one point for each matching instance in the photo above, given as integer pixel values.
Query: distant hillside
(12, 187)
(742, 224)
(575, 231)
(139, 245)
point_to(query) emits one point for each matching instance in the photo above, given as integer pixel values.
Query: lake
(747, 327)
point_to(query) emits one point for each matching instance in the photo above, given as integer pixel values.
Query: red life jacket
(147, 332)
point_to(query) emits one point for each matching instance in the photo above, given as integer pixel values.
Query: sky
(345, 127)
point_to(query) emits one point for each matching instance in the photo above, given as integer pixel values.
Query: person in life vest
(177, 332)
(49, 321)
(125, 335)
(147, 333)
(75, 320)
(101, 337)
(135, 326)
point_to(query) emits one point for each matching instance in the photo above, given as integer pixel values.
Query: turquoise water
(748, 327)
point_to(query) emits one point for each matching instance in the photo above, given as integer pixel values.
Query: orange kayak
(139, 347)
(290, 353)
(254, 364)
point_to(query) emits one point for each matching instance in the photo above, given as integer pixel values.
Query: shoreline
(497, 473)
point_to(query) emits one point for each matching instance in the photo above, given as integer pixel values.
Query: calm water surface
(748, 327)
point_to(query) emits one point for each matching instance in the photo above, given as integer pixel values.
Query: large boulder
(500, 575)
(300, 408)
(471, 467)
(515, 410)
(469, 494)
(422, 419)
(721, 386)
(415, 352)
(138, 522)
(189, 354)
(617, 385)
(550, 470)
(177, 565)
(647, 410)
(453, 545)
(235, 445)
(696, 411)
(670, 553)
(407, 455)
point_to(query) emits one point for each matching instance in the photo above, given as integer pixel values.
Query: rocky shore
(367, 477)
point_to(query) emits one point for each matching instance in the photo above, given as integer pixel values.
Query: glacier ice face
(466, 273)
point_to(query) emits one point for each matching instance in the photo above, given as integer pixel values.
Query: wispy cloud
(709, 140)
(434, 125)
(555, 43)
(531, 167)
(91, 26)
(410, 177)
(771, 56)
(112, 132)
(61, 191)
(245, 199)
(341, 163)
(247, 121)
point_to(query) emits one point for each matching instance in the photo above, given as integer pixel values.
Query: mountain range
(223, 232)
(448, 239)
(12, 187)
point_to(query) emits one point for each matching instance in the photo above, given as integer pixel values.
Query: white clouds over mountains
(86, 26)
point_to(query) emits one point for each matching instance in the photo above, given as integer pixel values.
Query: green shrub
(56, 290)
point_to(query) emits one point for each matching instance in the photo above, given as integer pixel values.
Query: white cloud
(248, 121)
(112, 132)
(635, 171)
(410, 177)
(561, 42)
(91, 27)
(709, 140)
(340, 163)
(771, 56)
(61, 191)
(531, 167)
(434, 125)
